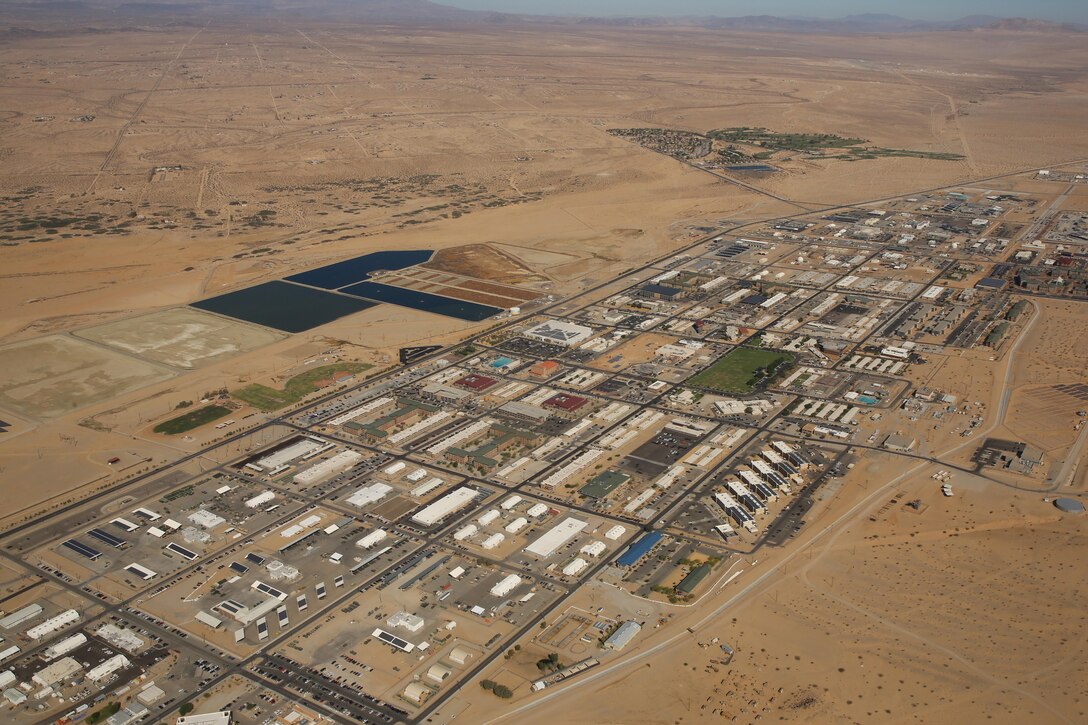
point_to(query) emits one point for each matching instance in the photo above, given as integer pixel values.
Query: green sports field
(742, 370)
(295, 389)
(193, 419)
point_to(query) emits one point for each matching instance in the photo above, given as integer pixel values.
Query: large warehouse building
(443, 507)
(556, 537)
(559, 332)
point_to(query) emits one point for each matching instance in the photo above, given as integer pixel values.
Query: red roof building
(563, 401)
(475, 383)
(544, 368)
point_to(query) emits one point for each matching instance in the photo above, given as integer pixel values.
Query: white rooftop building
(107, 668)
(54, 624)
(411, 622)
(465, 532)
(374, 537)
(260, 499)
(623, 635)
(575, 567)
(556, 537)
(517, 525)
(506, 585)
(59, 671)
(493, 541)
(453, 501)
(559, 332)
(124, 639)
(66, 645)
(615, 532)
(20, 616)
(206, 519)
(211, 718)
(594, 548)
(370, 494)
(339, 463)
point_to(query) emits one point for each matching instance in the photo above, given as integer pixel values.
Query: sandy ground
(874, 614)
(297, 146)
(878, 621)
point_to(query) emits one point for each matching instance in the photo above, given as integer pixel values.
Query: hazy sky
(1061, 10)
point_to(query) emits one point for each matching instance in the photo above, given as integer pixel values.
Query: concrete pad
(54, 375)
(182, 337)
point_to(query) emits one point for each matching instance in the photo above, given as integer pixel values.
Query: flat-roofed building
(553, 539)
(559, 332)
(453, 501)
(222, 717)
(59, 671)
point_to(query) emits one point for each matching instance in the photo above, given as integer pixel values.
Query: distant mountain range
(865, 23)
(424, 11)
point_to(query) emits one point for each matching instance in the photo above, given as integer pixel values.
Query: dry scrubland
(967, 611)
(1052, 353)
(148, 168)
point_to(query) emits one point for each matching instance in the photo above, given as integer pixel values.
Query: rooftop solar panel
(82, 549)
(181, 550)
(107, 538)
(139, 571)
(393, 640)
(270, 591)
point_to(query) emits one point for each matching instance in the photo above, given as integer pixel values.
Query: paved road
(766, 576)
(183, 642)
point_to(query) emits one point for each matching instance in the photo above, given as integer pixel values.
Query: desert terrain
(151, 167)
(147, 169)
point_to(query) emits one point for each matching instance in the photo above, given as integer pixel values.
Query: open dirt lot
(147, 168)
(182, 338)
(876, 622)
(51, 376)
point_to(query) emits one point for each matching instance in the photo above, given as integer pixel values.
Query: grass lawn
(736, 372)
(192, 419)
(296, 388)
